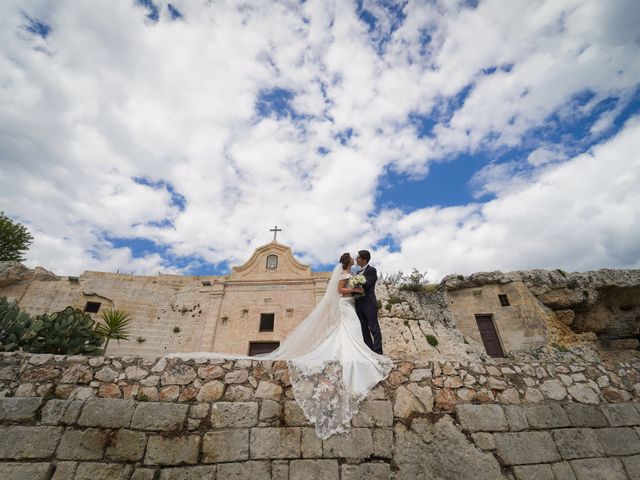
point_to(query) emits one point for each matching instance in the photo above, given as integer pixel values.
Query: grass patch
(430, 287)
(393, 299)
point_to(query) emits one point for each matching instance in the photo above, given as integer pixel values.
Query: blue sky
(448, 136)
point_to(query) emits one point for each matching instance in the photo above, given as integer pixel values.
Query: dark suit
(367, 310)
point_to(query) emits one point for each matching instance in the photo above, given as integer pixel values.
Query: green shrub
(431, 340)
(176, 329)
(388, 306)
(141, 339)
(69, 331)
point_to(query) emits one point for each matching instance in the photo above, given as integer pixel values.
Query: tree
(115, 326)
(15, 239)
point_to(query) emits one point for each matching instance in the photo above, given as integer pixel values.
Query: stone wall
(140, 418)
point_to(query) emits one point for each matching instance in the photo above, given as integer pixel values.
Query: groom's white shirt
(362, 269)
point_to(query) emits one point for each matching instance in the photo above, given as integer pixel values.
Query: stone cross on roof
(275, 232)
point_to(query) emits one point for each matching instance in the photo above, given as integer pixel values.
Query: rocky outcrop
(14, 272)
(416, 325)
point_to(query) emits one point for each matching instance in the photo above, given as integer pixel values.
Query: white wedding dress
(331, 368)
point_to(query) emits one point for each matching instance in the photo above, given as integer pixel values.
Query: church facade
(249, 311)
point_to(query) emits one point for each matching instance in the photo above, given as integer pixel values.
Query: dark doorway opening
(489, 335)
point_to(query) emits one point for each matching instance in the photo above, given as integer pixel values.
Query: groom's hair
(365, 254)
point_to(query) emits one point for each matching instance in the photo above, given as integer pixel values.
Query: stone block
(64, 470)
(144, 474)
(632, 465)
(370, 471)
(270, 390)
(25, 471)
(619, 441)
(357, 443)
(103, 471)
(179, 374)
(598, 469)
(553, 389)
(516, 418)
(563, 471)
(406, 403)
(279, 470)
(577, 443)
(546, 416)
(252, 470)
(583, 393)
(313, 470)
(585, 415)
(311, 445)
(488, 418)
(106, 413)
(86, 444)
(621, 414)
(234, 414)
(270, 411)
(293, 415)
(53, 411)
(484, 440)
(383, 443)
(22, 442)
(270, 442)
(374, 414)
(202, 472)
(172, 450)
(126, 445)
(526, 448)
(19, 409)
(533, 472)
(159, 416)
(211, 391)
(225, 446)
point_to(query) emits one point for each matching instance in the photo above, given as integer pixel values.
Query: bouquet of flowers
(356, 281)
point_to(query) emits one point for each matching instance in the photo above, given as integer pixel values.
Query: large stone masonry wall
(184, 419)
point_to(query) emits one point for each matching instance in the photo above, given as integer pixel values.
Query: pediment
(256, 268)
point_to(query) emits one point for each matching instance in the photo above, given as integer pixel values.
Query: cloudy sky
(449, 136)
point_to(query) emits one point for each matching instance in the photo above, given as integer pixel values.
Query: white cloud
(578, 215)
(109, 96)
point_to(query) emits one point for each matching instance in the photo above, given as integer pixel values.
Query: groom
(366, 306)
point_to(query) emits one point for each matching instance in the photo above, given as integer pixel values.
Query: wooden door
(489, 335)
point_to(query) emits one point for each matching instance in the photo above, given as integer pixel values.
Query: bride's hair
(345, 259)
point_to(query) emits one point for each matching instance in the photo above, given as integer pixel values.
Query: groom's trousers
(368, 315)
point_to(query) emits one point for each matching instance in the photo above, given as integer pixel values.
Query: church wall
(239, 320)
(520, 326)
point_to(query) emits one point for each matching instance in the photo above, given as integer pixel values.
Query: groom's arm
(372, 277)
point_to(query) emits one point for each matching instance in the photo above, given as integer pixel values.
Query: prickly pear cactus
(69, 331)
(14, 326)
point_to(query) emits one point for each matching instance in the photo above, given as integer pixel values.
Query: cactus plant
(15, 326)
(69, 331)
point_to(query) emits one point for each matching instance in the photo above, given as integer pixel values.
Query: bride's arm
(343, 290)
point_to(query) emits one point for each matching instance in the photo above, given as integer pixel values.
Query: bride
(331, 368)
